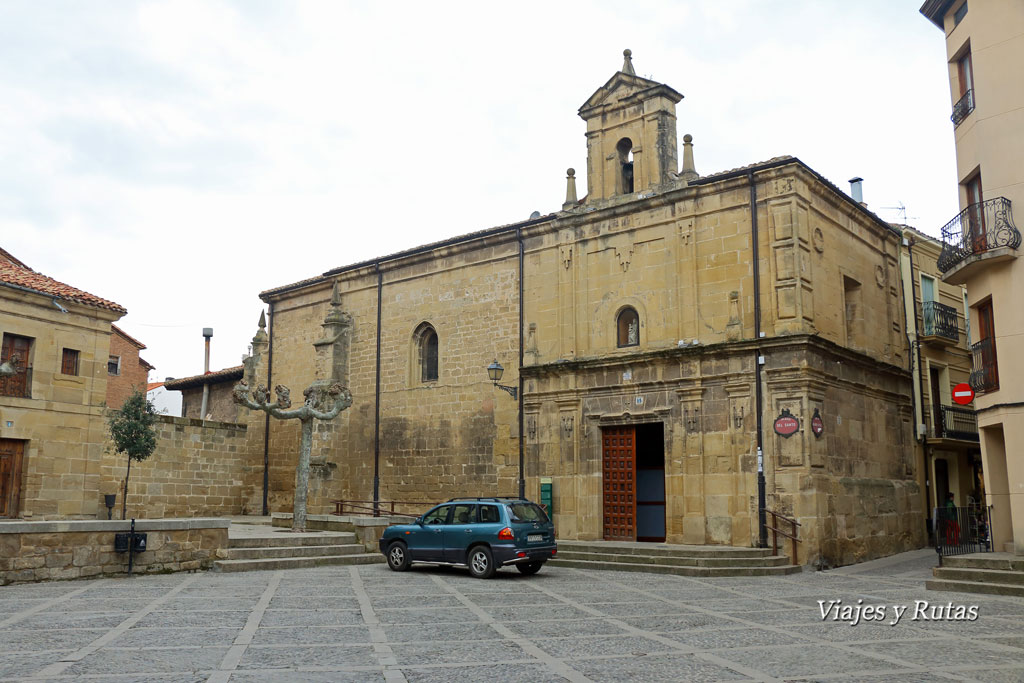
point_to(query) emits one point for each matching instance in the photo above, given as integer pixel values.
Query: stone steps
(256, 549)
(991, 573)
(294, 551)
(677, 561)
(678, 570)
(296, 562)
(662, 558)
(975, 562)
(286, 539)
(975, 587)
(1000, 576)
(662, 549)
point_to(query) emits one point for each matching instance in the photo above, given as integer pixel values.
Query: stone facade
(816, 295)
(52, 428)
(199, 469)
(38, 551)
(220, 407)
(126, 371)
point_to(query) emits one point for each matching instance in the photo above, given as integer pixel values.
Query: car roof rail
(496, 499)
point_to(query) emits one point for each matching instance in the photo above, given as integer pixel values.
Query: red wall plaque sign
(786, 425)
(817, 424)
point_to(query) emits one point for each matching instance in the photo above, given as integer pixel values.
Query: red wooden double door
(632, 485)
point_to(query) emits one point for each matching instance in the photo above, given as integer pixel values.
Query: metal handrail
(963, 107)
(985, 375)
(940, 320)
(958, 423)
(373, 508)
(979, 228)
(776, 531)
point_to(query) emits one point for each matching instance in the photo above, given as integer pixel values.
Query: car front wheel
(481, 563)
(529, 567)
(398, 557)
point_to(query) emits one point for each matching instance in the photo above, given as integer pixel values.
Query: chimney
(207, 334)
(856, 191)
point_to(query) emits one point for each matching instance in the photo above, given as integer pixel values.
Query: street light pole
(494, 372)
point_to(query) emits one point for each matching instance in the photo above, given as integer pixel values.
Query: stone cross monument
(325, 398)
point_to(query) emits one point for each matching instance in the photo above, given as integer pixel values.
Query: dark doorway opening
(650, 482)
(941, 482)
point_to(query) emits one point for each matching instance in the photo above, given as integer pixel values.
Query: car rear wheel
(398, 557)
(481, 562)
(529, 568)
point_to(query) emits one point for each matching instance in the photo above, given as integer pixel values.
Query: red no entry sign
(963, 394)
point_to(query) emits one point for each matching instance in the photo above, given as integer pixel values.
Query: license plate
(534, 538)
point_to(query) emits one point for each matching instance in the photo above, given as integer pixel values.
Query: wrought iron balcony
(962, 108)
(956, 422)
(985, 376)
(940, 321)
(979, 228)
(18, 385)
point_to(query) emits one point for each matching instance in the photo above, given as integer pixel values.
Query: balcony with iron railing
(963, 107)
(983, 232)
(985, 376)
(18, 385)
(955, 422)
(939, 323)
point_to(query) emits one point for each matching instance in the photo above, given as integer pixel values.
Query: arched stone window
(426, 352)
(628, 327)
(625, 150)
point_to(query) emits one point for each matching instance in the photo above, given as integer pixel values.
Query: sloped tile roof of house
(225, 375)
(14, 273)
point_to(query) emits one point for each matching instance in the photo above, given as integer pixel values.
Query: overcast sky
(179, 157)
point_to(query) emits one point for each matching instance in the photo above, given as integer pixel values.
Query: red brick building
(125, 369)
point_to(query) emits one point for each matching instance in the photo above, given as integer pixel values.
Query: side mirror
(419, 520)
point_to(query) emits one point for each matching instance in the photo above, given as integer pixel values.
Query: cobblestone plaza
(369, 624)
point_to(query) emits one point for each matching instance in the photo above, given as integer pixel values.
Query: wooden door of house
(11, 452)
(619, 468)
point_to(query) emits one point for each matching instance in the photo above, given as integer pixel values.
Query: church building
(679, 353)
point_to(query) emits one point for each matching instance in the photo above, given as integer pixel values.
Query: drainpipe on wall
(522, 479)
(762, 498)
(916, 348)
(376, 403)
(266, 416)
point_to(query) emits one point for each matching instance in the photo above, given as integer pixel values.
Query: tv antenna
(901, 210)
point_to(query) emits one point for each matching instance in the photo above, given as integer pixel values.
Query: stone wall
(39, 551)
(198, 469)
(221, 407)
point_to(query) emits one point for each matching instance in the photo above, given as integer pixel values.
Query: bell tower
(631, 134)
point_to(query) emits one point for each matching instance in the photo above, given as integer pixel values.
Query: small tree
(131, 430)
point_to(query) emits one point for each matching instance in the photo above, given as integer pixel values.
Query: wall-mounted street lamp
(495, 371)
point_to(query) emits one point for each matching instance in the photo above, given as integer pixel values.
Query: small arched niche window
(625, 150)
(425, 340)
(628, 327)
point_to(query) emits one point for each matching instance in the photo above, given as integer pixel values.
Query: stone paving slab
(369, 624)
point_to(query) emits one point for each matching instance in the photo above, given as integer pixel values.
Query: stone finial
(689, 172)
(261, 334)
(627, 64)
(570, 189)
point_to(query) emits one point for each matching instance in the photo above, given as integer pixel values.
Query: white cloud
(179, 157)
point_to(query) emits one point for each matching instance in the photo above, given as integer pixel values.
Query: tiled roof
(154, 385)
(130, 339)
(15, 274)
(146, 364)
(225, 375)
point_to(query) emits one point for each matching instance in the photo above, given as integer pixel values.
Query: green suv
(482, 534)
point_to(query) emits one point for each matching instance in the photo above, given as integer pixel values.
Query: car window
(526, 512)
(489, 514)
(438, 515)
(464, 513)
